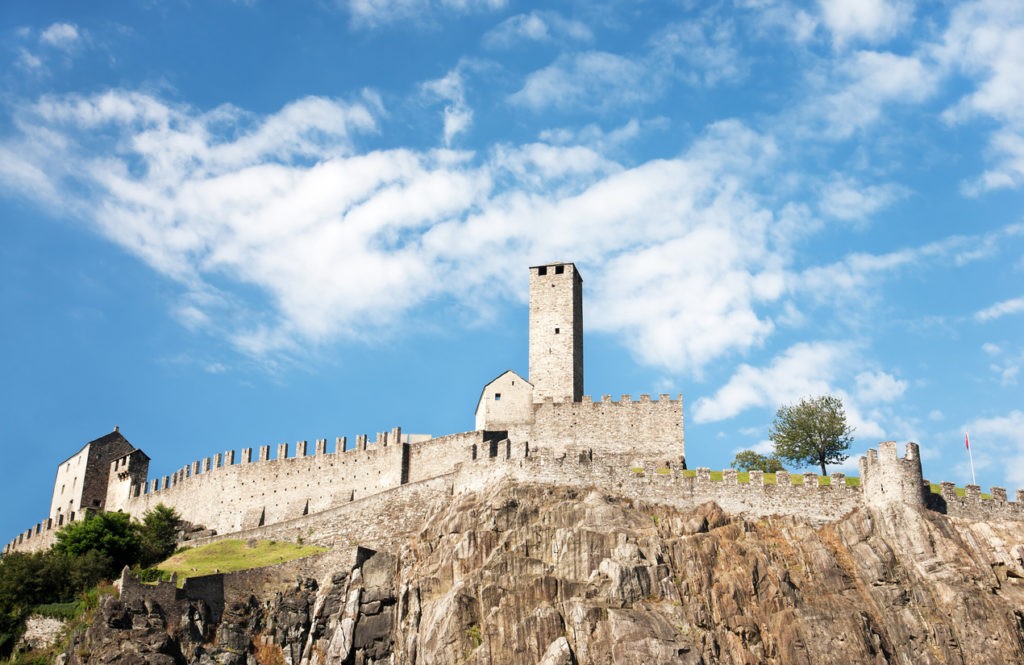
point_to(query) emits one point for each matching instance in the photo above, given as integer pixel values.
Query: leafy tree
(812, 432)
(158, 534)
(112, 535)
(748, 460)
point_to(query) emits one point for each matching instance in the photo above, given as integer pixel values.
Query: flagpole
(970, 456)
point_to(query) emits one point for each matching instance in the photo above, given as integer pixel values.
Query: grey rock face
(540, 574)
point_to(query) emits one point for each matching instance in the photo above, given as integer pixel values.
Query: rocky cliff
(538, 574)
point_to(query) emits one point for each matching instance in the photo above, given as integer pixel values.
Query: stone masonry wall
(382, 521)
(126, 474)
(649, 429)
(671, 486)
(230, 497)
(359, 494)
(438, 457)
(556, 332)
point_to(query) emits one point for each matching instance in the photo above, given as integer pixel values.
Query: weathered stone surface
(40, 632)
(539, 574)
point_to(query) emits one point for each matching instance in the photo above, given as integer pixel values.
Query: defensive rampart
(378, 490)
(648, 429)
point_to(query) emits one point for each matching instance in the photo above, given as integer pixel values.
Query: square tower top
(556, 332)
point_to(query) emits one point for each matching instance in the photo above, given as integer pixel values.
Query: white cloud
(64, 36)
(701, 52)
(774, 18)
(1006, 365)
(869, 81)
(29, 61)
(287, 205)
(591, 78)
(374, 13)
(985, 41)
(1001, 438)
(458, 116)
(1000, 309)
(869, 20)
(803, 370)
(854, 276)
(537, 26)
(878, 386)
(846, 199)
(597, 138)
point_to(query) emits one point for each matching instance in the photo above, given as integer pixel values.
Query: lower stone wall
(972, 506)
(381, 522)
(438, 456)
(669, 485)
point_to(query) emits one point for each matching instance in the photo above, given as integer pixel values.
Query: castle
(541, 429)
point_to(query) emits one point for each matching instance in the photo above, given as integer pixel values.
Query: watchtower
(887, 478)
(556, 332)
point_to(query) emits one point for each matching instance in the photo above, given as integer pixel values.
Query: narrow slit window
(557, 330)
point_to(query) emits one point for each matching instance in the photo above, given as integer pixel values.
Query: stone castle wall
(649, 429)
(377, 491)
(228, 497)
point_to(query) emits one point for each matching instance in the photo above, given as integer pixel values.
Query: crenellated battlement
(230, 498)
(219, 462)
(645, 428)
(888, 478)
(820, 498)
(543, 429)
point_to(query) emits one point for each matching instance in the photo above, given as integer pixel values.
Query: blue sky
(229, 224)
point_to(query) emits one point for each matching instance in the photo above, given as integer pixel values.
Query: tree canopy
(111, 534)
(814, 431)
(748, 460)
(158, 534)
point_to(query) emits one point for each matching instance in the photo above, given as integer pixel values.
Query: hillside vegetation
(228, 556)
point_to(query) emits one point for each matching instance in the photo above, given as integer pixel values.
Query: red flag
(967, 440)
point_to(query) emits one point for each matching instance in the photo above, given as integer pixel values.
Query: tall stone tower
(556, 332)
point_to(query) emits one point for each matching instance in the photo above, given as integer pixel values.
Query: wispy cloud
(1001, 439)
(64, 36)
(458, 116)
(803, 370)
(1000, 309)
(537, 26)
(701, 52)
(867, 20)
(866, 84)
(592, 78)
(844, 198)
(376, 13)
(985, 42)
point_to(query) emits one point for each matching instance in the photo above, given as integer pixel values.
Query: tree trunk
(822, 460)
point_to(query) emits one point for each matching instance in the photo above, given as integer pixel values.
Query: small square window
(557, 330)
(497, 397)
(543, 270)
(559, 270)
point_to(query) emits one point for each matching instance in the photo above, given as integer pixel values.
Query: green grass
(960, 491)
(226, 556)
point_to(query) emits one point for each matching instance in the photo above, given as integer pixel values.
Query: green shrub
(475, 635)
(65, 611)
